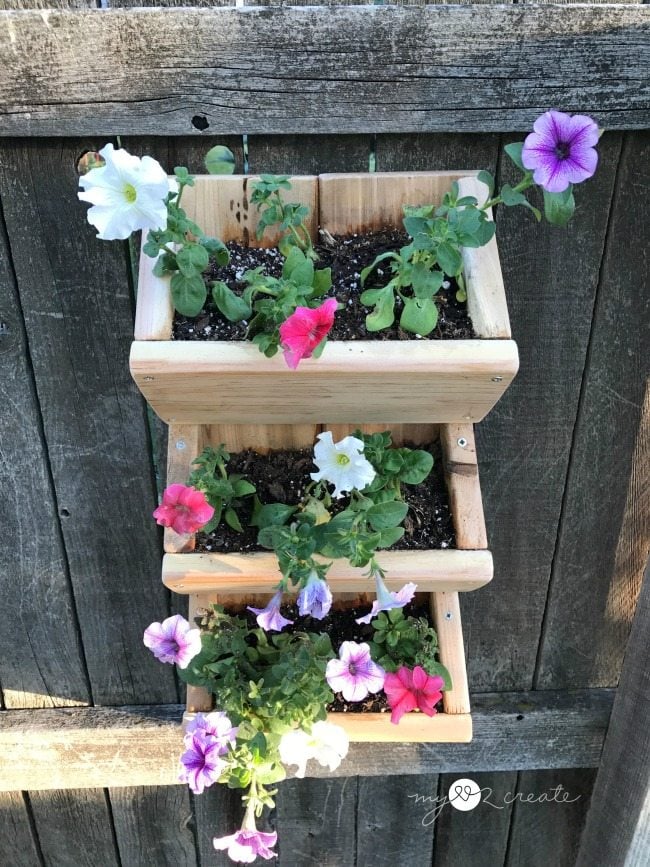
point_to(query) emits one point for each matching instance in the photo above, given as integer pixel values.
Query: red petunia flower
(408, 689)
(301, 333)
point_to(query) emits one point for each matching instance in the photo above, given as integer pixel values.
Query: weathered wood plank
(152, 826)
(74, 828)
(604, 537)
(436, 152)
(347, 69)
(548, 832)
(315, 820)
(473, 838)
(622, 792)
(78, 314)
(217, 812)
(17, 843)
(386, 813)
(133, 746)
(551, 277)
(41, 662)
(313, 155)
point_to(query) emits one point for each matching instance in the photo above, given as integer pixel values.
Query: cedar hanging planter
(441, 574)
(387, 382)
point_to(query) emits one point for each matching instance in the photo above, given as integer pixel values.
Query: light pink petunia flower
(173, 640)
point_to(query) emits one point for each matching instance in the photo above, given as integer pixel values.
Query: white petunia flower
(126, 194)
(342, 464)
(327, 743)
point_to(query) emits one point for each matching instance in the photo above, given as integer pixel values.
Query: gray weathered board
(312, 69)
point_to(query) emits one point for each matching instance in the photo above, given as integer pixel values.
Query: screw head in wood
(147, 378)
(448, 615)
(462, 442)
(180, 445)
(497, 379)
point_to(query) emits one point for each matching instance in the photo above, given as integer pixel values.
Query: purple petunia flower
(246, 845)
(386, 599)
(202, 762)
(354, 673)
(561, 151)
(173, 640)
(315, 598)
(214, 725)
(269, 618)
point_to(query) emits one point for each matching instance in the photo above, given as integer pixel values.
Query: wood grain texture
(17, 843)
(445, 612)
(41, 661)
(78, 314)
(153, 826)
(217, 812)
(594, 57)
(549, 832)
(308, 155)
(604, 539)
(139, 746)
(386, 813)
(621, 793)
(74, 827)
(436, 152)
(475, 838)
(551, 277)
(315, 820)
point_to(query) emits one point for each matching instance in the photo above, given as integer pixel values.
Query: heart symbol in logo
(463, 792)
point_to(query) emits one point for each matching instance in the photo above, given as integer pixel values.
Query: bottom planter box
(440, 574)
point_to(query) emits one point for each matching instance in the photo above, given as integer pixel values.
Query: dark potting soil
(340, 624)
(347, 257)
(281, 476)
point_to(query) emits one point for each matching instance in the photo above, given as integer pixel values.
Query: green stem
(524, 184)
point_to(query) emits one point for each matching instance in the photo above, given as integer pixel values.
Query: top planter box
(378, 381)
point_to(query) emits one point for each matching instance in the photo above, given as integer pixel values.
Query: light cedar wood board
(222, 64)
(444, 570)
(221, 381)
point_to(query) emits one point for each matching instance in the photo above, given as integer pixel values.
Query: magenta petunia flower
(246, 845)
(561, 150)
(387, 599)
(202, 762)
(269, 618)
(301, 333)
(214, 725)
(173, 640)
(354, 673)
(184, 509)
(408, 689)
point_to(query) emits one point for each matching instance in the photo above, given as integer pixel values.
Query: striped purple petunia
(202, 761)
(561, 150)
(173, 640)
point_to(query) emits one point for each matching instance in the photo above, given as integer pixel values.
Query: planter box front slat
(221, 381)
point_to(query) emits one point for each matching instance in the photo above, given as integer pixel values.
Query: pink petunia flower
(561, 151)
(248, 843)
(173, 640)
(301, 333)
(184, 509)
(354, 673)
(408, 689)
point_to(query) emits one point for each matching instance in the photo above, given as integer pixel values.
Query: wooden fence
(563, 457)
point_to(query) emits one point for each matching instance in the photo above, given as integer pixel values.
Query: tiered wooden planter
(220, 392)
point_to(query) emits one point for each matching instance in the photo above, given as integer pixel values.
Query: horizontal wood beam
(140, 746)
(320, 69)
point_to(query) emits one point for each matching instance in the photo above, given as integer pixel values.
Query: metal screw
(180, 445)
(147, 378)
(462, 442)
(497, 379)
(448, 615)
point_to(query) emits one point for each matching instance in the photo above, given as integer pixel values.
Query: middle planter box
(440, 574)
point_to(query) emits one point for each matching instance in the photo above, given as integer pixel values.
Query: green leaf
(383, 315)
(437, 668)
(419, 316)
(513, 197)
(426, 282)
(230, 517)
(322, 282)
(385, 516)
(151, 248)
(514, 152)
(166, 264)
(217, 249)
(370, 268)
(272, 515)
(184, 176)
(417, 466)
(488, 180)
(192, 258)
(188, 294)
(220, 160)
(294, 259)
(242, 488)
(233, 307)
(449, 259)
(415, 225)
(559, 207)
(390, 537)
